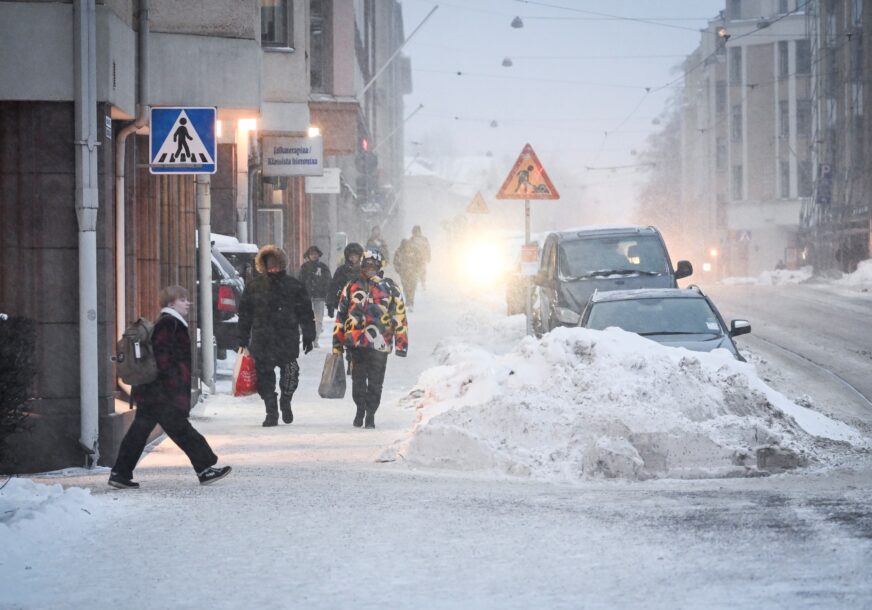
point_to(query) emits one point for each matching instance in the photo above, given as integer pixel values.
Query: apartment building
(746, 136)
(837, 220)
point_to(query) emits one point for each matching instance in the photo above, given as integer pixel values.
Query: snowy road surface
(308, 519)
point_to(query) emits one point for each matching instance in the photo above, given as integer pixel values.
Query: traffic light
(366, 163)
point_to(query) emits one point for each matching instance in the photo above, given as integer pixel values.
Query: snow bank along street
(583, 403)
(607, 469)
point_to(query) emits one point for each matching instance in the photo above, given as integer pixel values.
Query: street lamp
(723, 33)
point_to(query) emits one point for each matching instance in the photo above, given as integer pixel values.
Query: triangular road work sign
(528, 179)
(187, 141)
(477, 205)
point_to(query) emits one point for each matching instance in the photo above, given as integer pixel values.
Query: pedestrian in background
(422, 245)
(275, 307)
(345, 272)
(377, 242)
(408, 264)
(167, 399)
(315, 276)
(371, 319)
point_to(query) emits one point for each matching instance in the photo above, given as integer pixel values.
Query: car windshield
(672, 316)
(225, 265)
(602, 256)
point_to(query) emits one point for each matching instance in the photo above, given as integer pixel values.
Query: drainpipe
(120, 156)
(87, 201)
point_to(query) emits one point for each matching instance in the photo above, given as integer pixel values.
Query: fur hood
(270, 250)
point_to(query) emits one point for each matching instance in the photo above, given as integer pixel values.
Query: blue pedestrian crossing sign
(182, 141)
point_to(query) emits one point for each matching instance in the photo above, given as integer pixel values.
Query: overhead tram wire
(611, 16)
(688, 71)
(528, 78)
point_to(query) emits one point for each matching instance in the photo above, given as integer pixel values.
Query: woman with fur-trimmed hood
(275, 307)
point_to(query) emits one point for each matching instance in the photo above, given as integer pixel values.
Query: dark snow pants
(367, 376)
(289, 377)
(176, 425)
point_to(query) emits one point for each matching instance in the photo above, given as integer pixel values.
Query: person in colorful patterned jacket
(370, 322)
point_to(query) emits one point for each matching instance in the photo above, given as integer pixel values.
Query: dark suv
(576, 263)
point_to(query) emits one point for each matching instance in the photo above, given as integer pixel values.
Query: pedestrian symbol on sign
(183, 141)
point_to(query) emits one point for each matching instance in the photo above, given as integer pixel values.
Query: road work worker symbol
(182, 141)
(528, 179)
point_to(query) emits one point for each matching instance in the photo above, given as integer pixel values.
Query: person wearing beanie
(370, 323)
(315, 276)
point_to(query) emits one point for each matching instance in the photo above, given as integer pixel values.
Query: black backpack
(134, 354)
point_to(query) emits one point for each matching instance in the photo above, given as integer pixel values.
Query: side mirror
(739, 327)
(683, 269)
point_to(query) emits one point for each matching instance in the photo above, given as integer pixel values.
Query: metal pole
(395, 53)
(529, 299)
(204, 235)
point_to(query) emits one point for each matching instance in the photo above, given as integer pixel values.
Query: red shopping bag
(244, 377)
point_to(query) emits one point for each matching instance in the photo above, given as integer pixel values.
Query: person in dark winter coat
(377, 242)
(167, 399)
(315, 276)
(348, 271)
(370, 321)
(275, 307)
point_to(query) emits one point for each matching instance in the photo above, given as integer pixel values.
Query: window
(783, 9)
(735, 9)
(277, 23)
(783, 59)
(803, 118)
(784, 179)
(736, 66)
(804, 186)
(803, 57)
(720, 96)
(736, 123)
(579, 258)
(721, 153)
(320, 45)
(857, 11)
(690, 316)
(737, 183)
(784, 118)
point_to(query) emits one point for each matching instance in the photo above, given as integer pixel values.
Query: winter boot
(272, 411)
(358, 419)
(287, 414)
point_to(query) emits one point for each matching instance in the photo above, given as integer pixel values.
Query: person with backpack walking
(370, 322)
(315, 276)
(167, 399)
(275, 308)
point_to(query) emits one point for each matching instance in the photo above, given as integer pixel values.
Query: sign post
(528, 180)
(182, 141)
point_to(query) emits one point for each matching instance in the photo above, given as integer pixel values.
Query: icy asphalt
(308, 519)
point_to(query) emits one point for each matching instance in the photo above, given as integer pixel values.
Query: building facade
(60, 190)
(836, 221)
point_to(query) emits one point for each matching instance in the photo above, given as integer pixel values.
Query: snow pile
(779, 277)
(30, 511)
(581, 403)
(861, 277)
